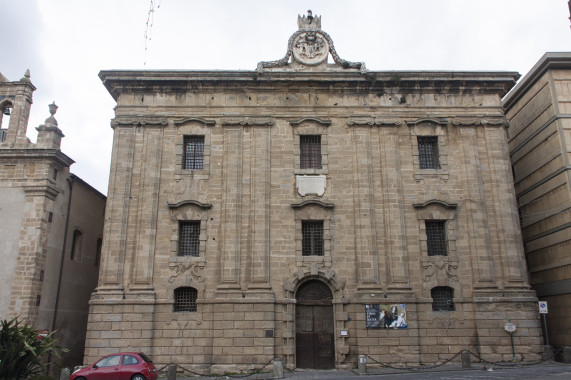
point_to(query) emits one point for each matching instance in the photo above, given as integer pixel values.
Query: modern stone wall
(538, 110)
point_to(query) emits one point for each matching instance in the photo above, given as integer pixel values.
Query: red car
(121, 366)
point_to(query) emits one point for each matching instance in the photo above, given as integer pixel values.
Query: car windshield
(145, 358)
(109, 361)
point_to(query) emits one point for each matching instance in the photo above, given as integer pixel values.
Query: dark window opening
(428, 152)
(312, 238)
(193, 155)
(185, 299)
(98, 252)
(442, 298)
(436, 238)
(76, 245)
(189, 238)
(310, 152)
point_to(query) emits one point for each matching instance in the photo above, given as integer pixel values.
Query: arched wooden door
(314, 338)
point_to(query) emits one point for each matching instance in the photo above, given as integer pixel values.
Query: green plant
(23, 351)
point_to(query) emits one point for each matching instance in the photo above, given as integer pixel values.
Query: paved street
(555, 371)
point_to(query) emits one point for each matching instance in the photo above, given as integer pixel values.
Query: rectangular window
(185, 299)
(442, 298)
(428, 152)
(312, 238)
(310, 152)
(193, 155)
(188, 238)
(436, 238)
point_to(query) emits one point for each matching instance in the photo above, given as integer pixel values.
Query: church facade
(311, 211)
(52, 224)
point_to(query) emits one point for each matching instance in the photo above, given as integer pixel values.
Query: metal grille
(436, 238)
(310, 152)
(184, 299)
(428, 152)
(193, 157)
(442, 298)
(189, 238)
(312, 238)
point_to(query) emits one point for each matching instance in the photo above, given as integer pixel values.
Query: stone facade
(253, 196)
(46, 213)
(540, 142)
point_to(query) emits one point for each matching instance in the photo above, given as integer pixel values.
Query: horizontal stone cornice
(372, 121)
(248, 121)
(47, 189)
(54, 155)
(136, 81)
(139, 120)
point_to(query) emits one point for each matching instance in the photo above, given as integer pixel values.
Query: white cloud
(65, 43)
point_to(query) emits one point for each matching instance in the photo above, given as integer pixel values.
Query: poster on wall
(389, 316)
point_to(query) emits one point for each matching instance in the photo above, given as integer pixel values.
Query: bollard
(278, 369)
(171, 372)
(466, 363)
(65, 374)
(362, 365)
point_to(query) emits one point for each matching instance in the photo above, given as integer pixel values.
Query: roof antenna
(148, 29)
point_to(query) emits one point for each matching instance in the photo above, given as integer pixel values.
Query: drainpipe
(70, 182)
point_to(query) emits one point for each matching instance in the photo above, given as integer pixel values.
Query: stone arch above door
(317, 272)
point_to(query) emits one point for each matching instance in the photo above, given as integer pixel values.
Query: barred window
(193, 155)
(436, 241)
(184, 299)
(312, 238)
(310, 152)
(442, 298)
(189, 238)
(428, 152)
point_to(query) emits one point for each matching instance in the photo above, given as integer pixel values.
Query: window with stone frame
(193, 152)
(312, 237)
(428, 152)
(189, 238)
(436, 241)
(310, 151)
(442, 298)
(185, 299)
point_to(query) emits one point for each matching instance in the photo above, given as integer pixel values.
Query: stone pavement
(450, 372)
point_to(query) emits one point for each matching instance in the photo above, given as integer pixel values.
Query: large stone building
(311, 211)
(52, 224)
(539, 110)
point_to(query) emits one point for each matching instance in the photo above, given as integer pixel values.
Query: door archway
(314, 327)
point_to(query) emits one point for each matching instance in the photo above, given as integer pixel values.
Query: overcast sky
(65, 43)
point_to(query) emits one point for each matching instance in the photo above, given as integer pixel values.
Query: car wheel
(138, 377)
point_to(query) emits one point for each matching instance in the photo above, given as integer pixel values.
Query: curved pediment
(312, 202)
(295, 123)
(195, 119)
(440, 121)
(439, 202)
(175, 205)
